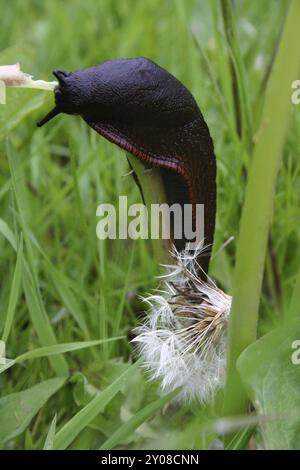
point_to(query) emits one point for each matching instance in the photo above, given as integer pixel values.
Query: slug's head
(123, 90)
(69, 96)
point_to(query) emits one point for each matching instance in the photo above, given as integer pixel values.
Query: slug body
(142, 108)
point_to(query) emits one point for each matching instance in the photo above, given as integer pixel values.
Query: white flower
(183, 339)
(12, 75)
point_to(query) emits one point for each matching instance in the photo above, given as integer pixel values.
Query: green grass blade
(72, 428)
(48, 351)
(117, 320)
(60, 283)
(224, 68)
(30, 282)
(14, 293)
(137, 420)
(22, 113)
(68, 299)
(7, 364)
(50, 436)
(62, 348)
(18, 409)
(242, 108)
(294, 306)
(8, 234)
(240, 439)
(41, 322)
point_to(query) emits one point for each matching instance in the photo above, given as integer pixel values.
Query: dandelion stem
(153, 193)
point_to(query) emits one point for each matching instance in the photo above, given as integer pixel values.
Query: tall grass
(258, 206)
(69, 301)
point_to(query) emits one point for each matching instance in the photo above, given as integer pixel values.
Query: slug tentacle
(54, 112)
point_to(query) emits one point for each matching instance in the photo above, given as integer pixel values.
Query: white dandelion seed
(183, 338)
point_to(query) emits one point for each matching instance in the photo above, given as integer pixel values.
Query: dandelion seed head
(183, 337)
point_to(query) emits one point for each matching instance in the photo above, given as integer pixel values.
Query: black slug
(142, 108)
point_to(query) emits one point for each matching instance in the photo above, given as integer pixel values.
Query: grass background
(66, 286)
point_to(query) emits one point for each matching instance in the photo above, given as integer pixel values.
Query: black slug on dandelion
(143, 109)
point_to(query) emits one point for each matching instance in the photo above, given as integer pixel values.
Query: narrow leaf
(50, 436)
(14, 292)
(18, 409)
(139, 418)
(72, 428)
